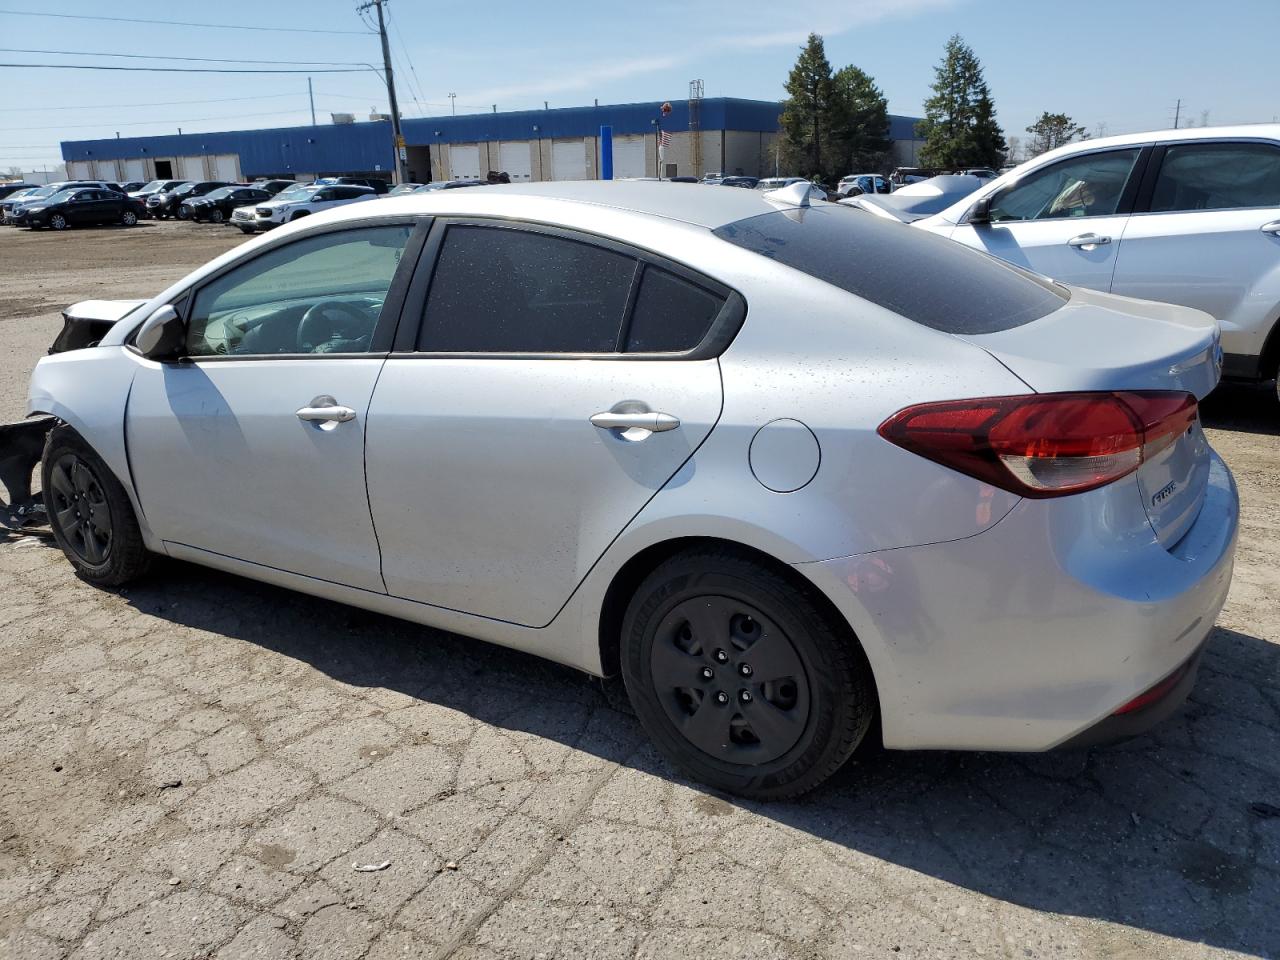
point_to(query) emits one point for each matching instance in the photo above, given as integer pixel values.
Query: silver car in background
(784, 467)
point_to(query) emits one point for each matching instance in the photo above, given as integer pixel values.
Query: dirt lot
(191, 768)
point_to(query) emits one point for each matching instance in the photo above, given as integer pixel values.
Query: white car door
(1208, 237)
(1065, 220)
(253, 446)
(534, 413)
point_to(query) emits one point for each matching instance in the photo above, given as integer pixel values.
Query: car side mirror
(162, 335)
(980, 212)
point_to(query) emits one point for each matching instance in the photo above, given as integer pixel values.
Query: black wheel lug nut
(722, 657)
(722, 697)
(745, 669)
(707, 673)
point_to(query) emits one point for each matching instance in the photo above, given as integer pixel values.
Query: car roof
(689, 203)
(1269, 131)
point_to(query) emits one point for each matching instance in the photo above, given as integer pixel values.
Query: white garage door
(628, 157)
(515, 160)
(80, 170)
(135, 170)
(568, 160)
(191, 168)
(226, 166)
(105, 170)
(464, 161)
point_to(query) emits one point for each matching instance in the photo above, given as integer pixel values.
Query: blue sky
(1120, 64)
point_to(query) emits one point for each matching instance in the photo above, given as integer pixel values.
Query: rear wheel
(90, 512)
(58, 222)
(215, 215)
(740, 677)
(129, 218)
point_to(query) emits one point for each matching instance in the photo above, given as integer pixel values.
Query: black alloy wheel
(79, 509)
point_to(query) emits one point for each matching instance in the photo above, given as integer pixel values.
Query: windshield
(219, 193)
(184, 189)
(62, 196)
(151, 187)
(294, 193)
(919, 275)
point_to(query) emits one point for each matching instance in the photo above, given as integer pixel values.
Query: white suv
(1183, 216)
(300, 201)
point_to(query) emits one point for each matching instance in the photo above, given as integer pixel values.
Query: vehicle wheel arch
(627, 578)
(1269, 359)
(298, 215)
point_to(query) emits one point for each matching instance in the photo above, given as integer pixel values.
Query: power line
(86, 66)
(156, 56)
(131, 106)
(178, 23)
(419, 96)
(143, 123)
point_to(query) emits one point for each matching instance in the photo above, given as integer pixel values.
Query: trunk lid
(1102, 342)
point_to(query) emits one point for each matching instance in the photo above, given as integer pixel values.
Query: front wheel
(741, 677)
(58, 222)
(247, 230)
(129, 218)
(90, 512)
(215, 216)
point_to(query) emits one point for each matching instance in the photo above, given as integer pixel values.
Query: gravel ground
(194, 768)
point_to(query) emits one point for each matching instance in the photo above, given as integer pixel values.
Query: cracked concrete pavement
(194, 767)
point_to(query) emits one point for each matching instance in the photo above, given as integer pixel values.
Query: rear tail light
(1045, 445)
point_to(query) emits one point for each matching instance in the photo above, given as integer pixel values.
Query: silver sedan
(784, 466)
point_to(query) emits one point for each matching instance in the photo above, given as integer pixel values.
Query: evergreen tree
(1053, 130)
(806, 119)
(859, 122)
(960, 128)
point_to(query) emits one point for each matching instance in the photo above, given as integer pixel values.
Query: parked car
(169, 202)
(13, 186)
(403, 188)
(216, 206)
(132, 186)
(373, 183)
(11, 203)
(1184, 216)
(302, 201)
(916, 201)
(273, 186)
(77, 206)
(13, 199)
(903, 176)
(748, 183)
(863, 183)
(451, 185)
(982, 173)
(834, 469)
(816, 192)
(154, 188)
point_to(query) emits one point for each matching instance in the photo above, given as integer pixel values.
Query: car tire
(780, 726)
(247, 230)
(129, 218)
(216, 216)
(90, 512)
(58, 222)
(184, 214)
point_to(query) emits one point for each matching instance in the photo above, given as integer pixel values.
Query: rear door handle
(325, 409)
(649, 420)
(1272, 228)
(1088, 241)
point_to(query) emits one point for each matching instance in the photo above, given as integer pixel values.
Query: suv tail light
(1045, 445)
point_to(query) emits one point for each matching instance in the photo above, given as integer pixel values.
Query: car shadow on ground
(1156, 834)
(1247, 407)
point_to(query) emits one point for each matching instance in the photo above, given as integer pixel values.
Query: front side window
(1217, 176)
(500, 290)
(1085, 186)
(322, 294)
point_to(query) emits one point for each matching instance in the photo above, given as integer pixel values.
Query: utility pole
(391, 85)
(1177, 112)
(453, 104)
(312, 97)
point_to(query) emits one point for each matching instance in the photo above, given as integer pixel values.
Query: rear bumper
(1036, 631)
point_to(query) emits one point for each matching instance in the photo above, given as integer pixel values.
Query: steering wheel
(332, 321)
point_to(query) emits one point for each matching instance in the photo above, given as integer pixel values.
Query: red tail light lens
(1045, 445)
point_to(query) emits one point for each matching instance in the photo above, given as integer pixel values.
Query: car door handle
(325, 409)
(649, 420)
(1088, 241)
(1272, 228)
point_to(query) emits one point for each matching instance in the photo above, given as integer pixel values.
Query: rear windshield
(926, 278)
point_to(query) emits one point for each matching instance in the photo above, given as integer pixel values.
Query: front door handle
(1272, 228)
(1088, 241)
(325, 409)
(648, 420)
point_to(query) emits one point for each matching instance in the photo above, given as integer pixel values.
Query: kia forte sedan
(785, 468)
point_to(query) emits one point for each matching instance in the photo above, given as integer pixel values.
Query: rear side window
(1217, 176)
(932, 280)
(499, 290)
(671, 314)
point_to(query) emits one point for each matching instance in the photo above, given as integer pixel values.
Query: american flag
(664, 138)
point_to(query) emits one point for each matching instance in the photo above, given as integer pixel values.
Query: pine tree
(859, 122)
(1053, 130)
(960, 128)
(805, 116)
